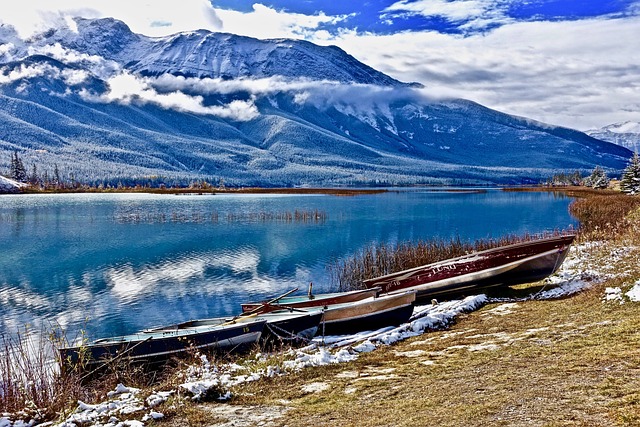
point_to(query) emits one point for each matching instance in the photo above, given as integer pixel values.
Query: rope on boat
(285, 335)
(555, 268)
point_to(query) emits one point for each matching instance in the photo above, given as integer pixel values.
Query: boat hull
(287, 324)
(370, 314)
(161, 344)
(505, 266)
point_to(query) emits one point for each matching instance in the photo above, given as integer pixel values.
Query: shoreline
(335, 191)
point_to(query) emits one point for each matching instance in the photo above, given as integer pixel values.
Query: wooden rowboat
(285, 324)
(508, 265)
(367, 314)
(157, 345)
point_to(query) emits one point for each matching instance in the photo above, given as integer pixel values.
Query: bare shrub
(30, 379)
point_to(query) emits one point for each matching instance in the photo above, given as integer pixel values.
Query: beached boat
(508, 265)
(367, 314)
(159, 344)
(286, 324)
(308, 300)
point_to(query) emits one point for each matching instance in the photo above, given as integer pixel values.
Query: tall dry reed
(30, 379)
(604, 216)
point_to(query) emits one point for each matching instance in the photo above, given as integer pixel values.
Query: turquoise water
(112, 264)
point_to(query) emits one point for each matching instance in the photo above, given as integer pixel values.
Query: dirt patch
(246, 416)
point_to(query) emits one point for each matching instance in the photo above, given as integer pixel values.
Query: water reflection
(72, 260)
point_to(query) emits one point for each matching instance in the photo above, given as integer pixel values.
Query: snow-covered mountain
(626, 134)
(104, 103)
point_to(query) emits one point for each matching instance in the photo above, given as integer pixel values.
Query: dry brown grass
(29, 378)
(549, 363)
(604, 216)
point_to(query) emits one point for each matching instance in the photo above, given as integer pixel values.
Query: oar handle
(264, 304)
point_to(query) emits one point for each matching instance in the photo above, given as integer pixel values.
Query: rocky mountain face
(626, 134)
(105, 104)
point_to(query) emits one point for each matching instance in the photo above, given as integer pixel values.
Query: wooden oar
(264, 304)
(236, 318)
(256, 311)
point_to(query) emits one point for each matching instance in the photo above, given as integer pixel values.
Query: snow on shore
(125, 407)
(9, 186)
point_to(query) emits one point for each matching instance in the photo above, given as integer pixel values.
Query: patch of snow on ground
(502, 309)
(9, 186)
(121, 401)
(634, 293)
(412, 353)
(613, 294)
(315, 387)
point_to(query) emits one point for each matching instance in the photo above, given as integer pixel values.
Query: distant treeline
(597, 179)
(629, 181)
(53, 178)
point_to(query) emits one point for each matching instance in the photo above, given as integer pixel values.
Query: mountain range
(105, 104)
(626, 134)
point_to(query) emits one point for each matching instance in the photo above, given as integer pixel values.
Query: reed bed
(315, 216)
(296, 216)
(605, 217)
(383, 258)
(33, 387)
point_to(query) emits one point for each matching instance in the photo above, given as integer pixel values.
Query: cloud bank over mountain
(565, 63)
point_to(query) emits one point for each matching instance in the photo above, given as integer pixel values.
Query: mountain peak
(204, 53)
(626, 134)
(270, 112)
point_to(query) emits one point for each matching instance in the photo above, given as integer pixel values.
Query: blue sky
(449, 16)
(574, 63)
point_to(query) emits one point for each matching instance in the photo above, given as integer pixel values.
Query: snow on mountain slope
(215, 55)
(9, 186)
(106, 105)
(626, 134)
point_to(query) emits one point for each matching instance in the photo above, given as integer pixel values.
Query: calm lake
(112, 264)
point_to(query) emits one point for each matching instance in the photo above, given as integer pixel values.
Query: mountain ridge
(625, 134)
(106, 104)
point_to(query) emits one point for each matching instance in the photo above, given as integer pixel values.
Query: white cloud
(266, 22)
(454, 10)
(25, 72)
(581, 74)
(60, 53)
(320, 93)
(157, 18)
(6, 51)
(126, 89)
(74, 77)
